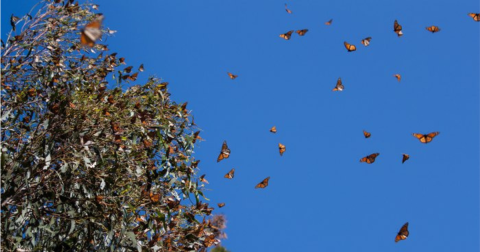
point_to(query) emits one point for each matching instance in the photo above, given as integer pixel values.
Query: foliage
(85, 167)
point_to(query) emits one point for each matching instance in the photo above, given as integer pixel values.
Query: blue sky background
(320, 197)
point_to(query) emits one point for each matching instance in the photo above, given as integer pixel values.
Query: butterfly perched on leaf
(329, 22)
(230, 174)
(232, 76)
(403, 233)
(220, 205)
(224, 153)
(405, 158)
(433, 29)
(366, 41)
(475, 16)
(287, 35)
(367, 134)
(397, 28)
(302, 32)
(339, 86)
(370, 158)
(91, 32)
(263, 184)
(281, 149)
(350, 47)
(273, 129)
(398, 76)
(425, 138)
(287, 10)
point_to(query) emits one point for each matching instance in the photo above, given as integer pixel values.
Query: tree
(90, 168)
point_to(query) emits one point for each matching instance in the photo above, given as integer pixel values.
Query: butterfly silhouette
(405, 158)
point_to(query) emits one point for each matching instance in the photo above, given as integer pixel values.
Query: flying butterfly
(366, 41)
(403, 233)
(263, 184)
(367, 134)
(397, 28)
(202, 178)
(475, 16)
(426, 138)
(232, 76)
(329, 22)
(230, 174)
(398, 76)
(220, 205)
(302, 32)
(339, 86)
(281, 149)
(350, 48)
(287, 10)
(92, 32)
(224, 153)
(433, 29)
(405, 158)
(370, 158)
(287, 35)
(273, 129)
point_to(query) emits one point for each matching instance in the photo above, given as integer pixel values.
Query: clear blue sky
(320, 197)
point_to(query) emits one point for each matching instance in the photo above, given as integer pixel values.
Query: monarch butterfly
(230, 174)
(286, 9)
(366, 41)
(202, 178)
(475, 16)
(154, 197)
(405, 158)
(433, 29)
(367, 134)
(350, 48)
(141, 68)
(397, 28)
(339, 86)
(273, 129)
(329, 22)
(281, 148)
(398, 76)
(224, 153)
(302, 32)
(263, 184)
(232, 76)
(287, 35)
(220, 205)
(92, 32)
(403, 233)
(425, 138)
(370, 158)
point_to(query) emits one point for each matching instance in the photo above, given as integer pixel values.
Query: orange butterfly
(154, 197)
(224, 153)
(366, 41)
(370, 158)
(433, 29)
(281, 148)
(92, 32)
(425, 138)
(302, 32)
(230, 174)
(286, 9)
(475, 16)
(263, 184)
(367, 134)
(397, 28)
(220, 205)
(339, 86)
(329, 22)
(350, 48)
(273, 129)
(232, 76)
(398, 76)
(405, 158)
(403, 233)
(287, 35)
(202, 178)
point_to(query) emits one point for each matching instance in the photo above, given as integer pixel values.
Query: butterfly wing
(220, 205)
(224, 153)
(339, 85)
(232, 76)
(367, 134)
(366, 41)
(302, 32)
(230, 174)
(329, 22)
(349, 47)
(433, 29)
(287, 35)
(403, 233)
(91, 32)
(281, 149)
(273, 129)
(397, 28)
(398, 76)
(263, 184)
(405, 158)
